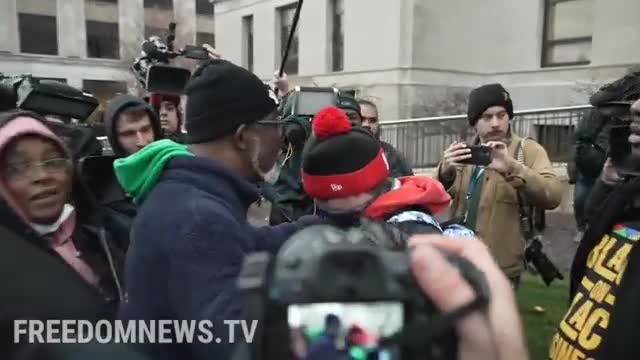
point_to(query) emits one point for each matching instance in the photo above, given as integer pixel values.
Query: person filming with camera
(494, 181)
(601, 321)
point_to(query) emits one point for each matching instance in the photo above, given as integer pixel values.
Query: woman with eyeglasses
(55, 262)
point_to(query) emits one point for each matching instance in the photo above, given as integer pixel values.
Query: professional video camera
(152, 68)
(358, 274)
(288, 199)
(299, 107)
(46, 97)
(54, 99)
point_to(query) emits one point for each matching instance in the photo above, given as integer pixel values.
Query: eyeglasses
(26, 169)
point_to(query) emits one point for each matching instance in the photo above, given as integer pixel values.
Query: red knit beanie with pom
(341, 160)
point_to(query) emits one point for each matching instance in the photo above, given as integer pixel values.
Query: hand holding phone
(480, 155)
(454, 155)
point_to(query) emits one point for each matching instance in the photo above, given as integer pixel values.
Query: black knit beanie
(486, 96)
(340, 160)
(348, 102)
(223, 96)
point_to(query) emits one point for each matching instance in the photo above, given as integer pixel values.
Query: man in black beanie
(353, 109)
(348, 188)
(487, 198)
(191, 233)
(397, 162)
(350, 106)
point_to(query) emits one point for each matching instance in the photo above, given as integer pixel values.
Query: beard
(270, 176)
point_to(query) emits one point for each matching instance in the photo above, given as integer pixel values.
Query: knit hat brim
(348, 103)
(325, 187)
(484, 97)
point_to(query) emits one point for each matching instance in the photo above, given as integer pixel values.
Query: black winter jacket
(608, 206)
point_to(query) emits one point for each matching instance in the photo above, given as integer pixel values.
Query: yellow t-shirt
(582, 329)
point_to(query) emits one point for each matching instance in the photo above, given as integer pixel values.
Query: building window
(102, 40)
(568, 29)
(205, 38)
(556, 140)
(204, 7)
(247, 30)
(38, 34)
(205, 26)
(337, 35)
(104, 91)
(103, 36)
(286, 15)
(155, 31)
(158, 14)
(158, 4)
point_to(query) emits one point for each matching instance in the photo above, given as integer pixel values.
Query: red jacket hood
(420, 191)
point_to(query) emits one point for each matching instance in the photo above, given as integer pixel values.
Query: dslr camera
(153, 70)
(358, 276)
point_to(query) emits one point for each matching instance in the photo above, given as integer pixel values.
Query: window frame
(200, 35)
(21, 34)
(159, 7)
(117, 43)
(284, 37)
(335, 60)
(248, 40)
(199, 9)
(548, 44)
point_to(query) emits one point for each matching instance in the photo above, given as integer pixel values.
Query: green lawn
(539, 327)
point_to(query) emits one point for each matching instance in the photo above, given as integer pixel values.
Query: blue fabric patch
(456, 230)
(416, 216)
(453, 230)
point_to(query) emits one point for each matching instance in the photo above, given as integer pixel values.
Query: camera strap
(473, 197)
(526, 211)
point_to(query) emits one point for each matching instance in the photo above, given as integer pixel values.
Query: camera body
(357, 269)
(46, 97)
(153, 69)
(308, 101)
(299, 108)
(535, 255)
